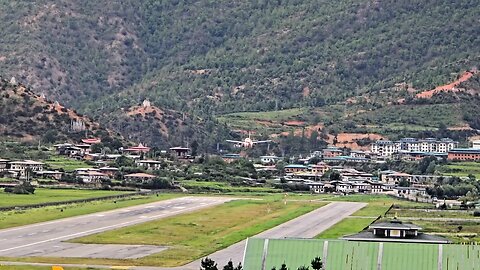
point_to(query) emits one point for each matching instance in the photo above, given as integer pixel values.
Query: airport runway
(306, 226)
(46, 239)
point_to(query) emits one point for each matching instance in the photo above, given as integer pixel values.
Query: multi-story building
(464, 154)
(385, 148)
(429, 145)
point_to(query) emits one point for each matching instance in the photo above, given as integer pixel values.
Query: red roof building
(138, 149)
(92, 140)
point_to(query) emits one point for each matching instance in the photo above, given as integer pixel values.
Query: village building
(149, 164)
(358, 154)
(316, 187)
(229, 158)
(56, 175)
(109, 171)
(476, 144)
(417, 156)
(464, 154)
(396, 178)
(139, 177)
(91, 141)
(137, 149)
(428, 145)
(410, 191)
(348, 174)
(3, 164)
(269, 160)
(376, 187)
(331, 152)
(319, 169)
(20, 168)
(295, 168)
(180, 152)
(92, 176)
(395, 231)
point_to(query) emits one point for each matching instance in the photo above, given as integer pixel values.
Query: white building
(429, 145)
(20, 167)
(476, 144)
(149, 164)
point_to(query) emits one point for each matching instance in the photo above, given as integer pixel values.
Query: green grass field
(203, 186)
(345, 227)
(58, 162)
(430, 213)
(43, 195)
(15, 218)
(461, 169)
(193, 235)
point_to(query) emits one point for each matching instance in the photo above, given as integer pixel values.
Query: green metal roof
(267, 253)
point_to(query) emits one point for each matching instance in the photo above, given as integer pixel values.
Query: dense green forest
(207, 58)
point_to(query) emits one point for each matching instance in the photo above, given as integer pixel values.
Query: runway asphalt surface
(46, 239)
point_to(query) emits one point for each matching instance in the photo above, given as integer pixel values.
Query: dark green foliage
(23, 188)
(230, 266)
(206, 58)
(208, 264)
(317, 263)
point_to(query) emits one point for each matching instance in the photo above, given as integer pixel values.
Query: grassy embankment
(15, 218)
(193, 235)
(224, 187)
(43, 195)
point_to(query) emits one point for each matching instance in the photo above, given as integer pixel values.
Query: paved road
(306, 226)
(46, 239)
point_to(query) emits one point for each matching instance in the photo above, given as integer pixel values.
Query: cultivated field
(461, 169)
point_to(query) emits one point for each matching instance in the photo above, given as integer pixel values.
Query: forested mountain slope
(206, 58)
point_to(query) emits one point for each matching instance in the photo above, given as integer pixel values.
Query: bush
(23, 188)
(476, 213)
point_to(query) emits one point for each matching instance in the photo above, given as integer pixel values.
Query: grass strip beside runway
(15, 218)
(191, 236)
(44, 195)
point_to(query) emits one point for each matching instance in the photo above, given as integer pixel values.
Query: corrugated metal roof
(360, 255)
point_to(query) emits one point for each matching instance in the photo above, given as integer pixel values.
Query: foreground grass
(193, 235)
(43, 195)
(345, 227)
(430, 213)
(15, 218)
(456, 231)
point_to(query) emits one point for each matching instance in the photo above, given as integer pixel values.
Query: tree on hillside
(303, 268)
